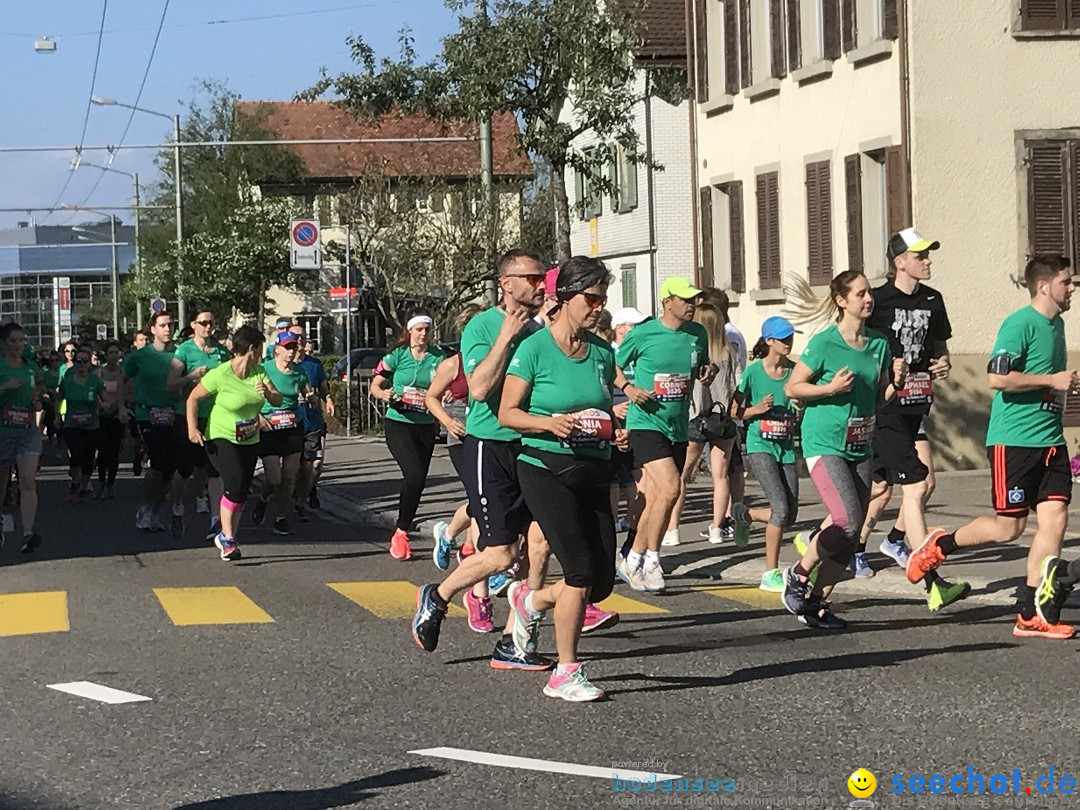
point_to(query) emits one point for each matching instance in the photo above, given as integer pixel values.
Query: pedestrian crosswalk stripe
(747, 595)
(218, 605)
(387, 600)
(23, 614)
(627, 606)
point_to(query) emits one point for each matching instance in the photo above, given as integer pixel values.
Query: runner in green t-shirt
(81, 392)
(668, 354)
(843, 376)
(410, 427)
(1029, 460)
(21, 391)
(557, 395)
(191, 360)
(239, 389)
(155, 417)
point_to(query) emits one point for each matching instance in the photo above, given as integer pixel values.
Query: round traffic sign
(305, 234)
(157, 305)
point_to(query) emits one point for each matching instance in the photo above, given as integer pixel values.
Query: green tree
(530, 58)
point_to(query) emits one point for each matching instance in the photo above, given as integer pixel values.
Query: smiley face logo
(862, 784)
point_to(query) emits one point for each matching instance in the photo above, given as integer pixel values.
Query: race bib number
(412, 399)
(16, 417)
(282, 420)
(1053, 401)
(671, 387)
(246, 429)
(860, 432)
(81, 419)
(777, 426)
(917, 390)
(592, 428)
(161, 417)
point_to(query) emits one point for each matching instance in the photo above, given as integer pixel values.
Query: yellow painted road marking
(221, 605)
(747, 595)
(625, 605)
(22, 614)
(388, 600)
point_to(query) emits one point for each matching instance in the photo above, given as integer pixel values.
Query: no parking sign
(305, 245)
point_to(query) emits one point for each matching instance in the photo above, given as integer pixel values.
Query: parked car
(362, 361)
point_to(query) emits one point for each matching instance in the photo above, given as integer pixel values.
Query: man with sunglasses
(193, 358)
(155, 416)
(496, 503)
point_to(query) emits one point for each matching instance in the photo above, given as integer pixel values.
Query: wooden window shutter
(813, 224)
(830, 27)
(1070, 417)
(1047, 198)
(738, 247)
(701, 51)
(890, 21)
(853, 194)
(707, 263)
(613, 168)
(1043, 15)
(744, 43)
(1072, 17)
(776, 36)
(819, 222)
(628, 192)
(897, 214)
(768, 205)
(731, 47)
(579, 192)
(848, 31)
(794, 39)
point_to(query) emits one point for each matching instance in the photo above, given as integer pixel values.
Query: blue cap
(776, 327)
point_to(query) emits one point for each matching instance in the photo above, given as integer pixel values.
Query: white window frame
(811, 31)
(760, 42)
(869, 22)
(875, 213)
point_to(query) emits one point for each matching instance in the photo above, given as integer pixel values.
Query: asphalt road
(315, 701)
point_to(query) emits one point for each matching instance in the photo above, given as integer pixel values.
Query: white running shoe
(671, 538)
(202, 505)
(716, 535)
(142, 519)
(652, 576)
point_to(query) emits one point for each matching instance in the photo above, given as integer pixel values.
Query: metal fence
(367, 414)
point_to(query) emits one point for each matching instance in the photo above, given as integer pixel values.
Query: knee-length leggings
(844, 487)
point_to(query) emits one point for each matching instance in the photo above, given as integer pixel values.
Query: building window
(768, 221)
(811, 35)
(713, 54)
(1053, 183)
(819, 222)
(622, 173)
(876, 199)
(312, 326)
(628, 281)
(1049, 15)
(866, 21)
(722, 245)
(760, 41)
(590, 202)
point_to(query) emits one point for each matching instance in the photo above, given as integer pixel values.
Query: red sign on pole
(341, 293)
(64, 297)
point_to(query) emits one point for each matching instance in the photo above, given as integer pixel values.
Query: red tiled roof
(663, 25)
(323, 119)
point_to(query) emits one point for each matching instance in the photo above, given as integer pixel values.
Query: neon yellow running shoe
(801, 546)
(942, 593)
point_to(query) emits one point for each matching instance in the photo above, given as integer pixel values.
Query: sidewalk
(360, 486)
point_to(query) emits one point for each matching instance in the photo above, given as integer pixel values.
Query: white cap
(626, 315)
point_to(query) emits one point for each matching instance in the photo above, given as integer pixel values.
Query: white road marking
(543, 765)
(95, 691)
(686, 568)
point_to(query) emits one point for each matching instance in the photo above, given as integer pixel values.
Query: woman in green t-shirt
(557, 394)
(239, 387)
(844, 376)
(410, 428)
(21, 390)
(81, 394)
(770, 438)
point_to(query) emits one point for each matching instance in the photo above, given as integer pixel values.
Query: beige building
(824, 125)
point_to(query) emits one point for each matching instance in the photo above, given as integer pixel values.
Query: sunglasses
(535, 279)
(205, 323)
(595, 299)
(82, 359)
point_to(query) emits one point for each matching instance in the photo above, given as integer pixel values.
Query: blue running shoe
(444, 546)
(499, 583)
(428, 619)
(507, 656)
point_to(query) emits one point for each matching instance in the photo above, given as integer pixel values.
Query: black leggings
(411, 446)
(235, 464)
(81, 445)
(110, 440)
(576, 519)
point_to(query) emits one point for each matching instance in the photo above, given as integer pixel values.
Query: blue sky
(44, 97)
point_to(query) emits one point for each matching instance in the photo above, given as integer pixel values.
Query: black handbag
(716, 426)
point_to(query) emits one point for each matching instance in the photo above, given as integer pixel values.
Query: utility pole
(181, 304)
(138, 254)
(348, 331)
(487, 179)
(115, 280)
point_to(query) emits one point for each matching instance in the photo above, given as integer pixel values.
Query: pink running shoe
(479, 608)
(597, 619)
(399, 546)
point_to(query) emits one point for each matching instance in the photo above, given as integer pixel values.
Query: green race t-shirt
(412, 378)
(82, 401)
(290, 383)
(235, 415)
(482, 418)
(666, 363)
(150, 370)
(773, 432)
(192, 358)
(843, 424)
(566, 385)
(17, 404)
(1034, 344)
(52, 379)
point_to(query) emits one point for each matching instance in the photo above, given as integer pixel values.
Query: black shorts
(622, 468)
(1023, 477)
(495, 499)
(192, 456)
(895, 459)
(288, 442)
(651, 445)
(162, 445)
(313, 444)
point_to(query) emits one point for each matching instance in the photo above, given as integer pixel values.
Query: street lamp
(112, 102)
(115, 270)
